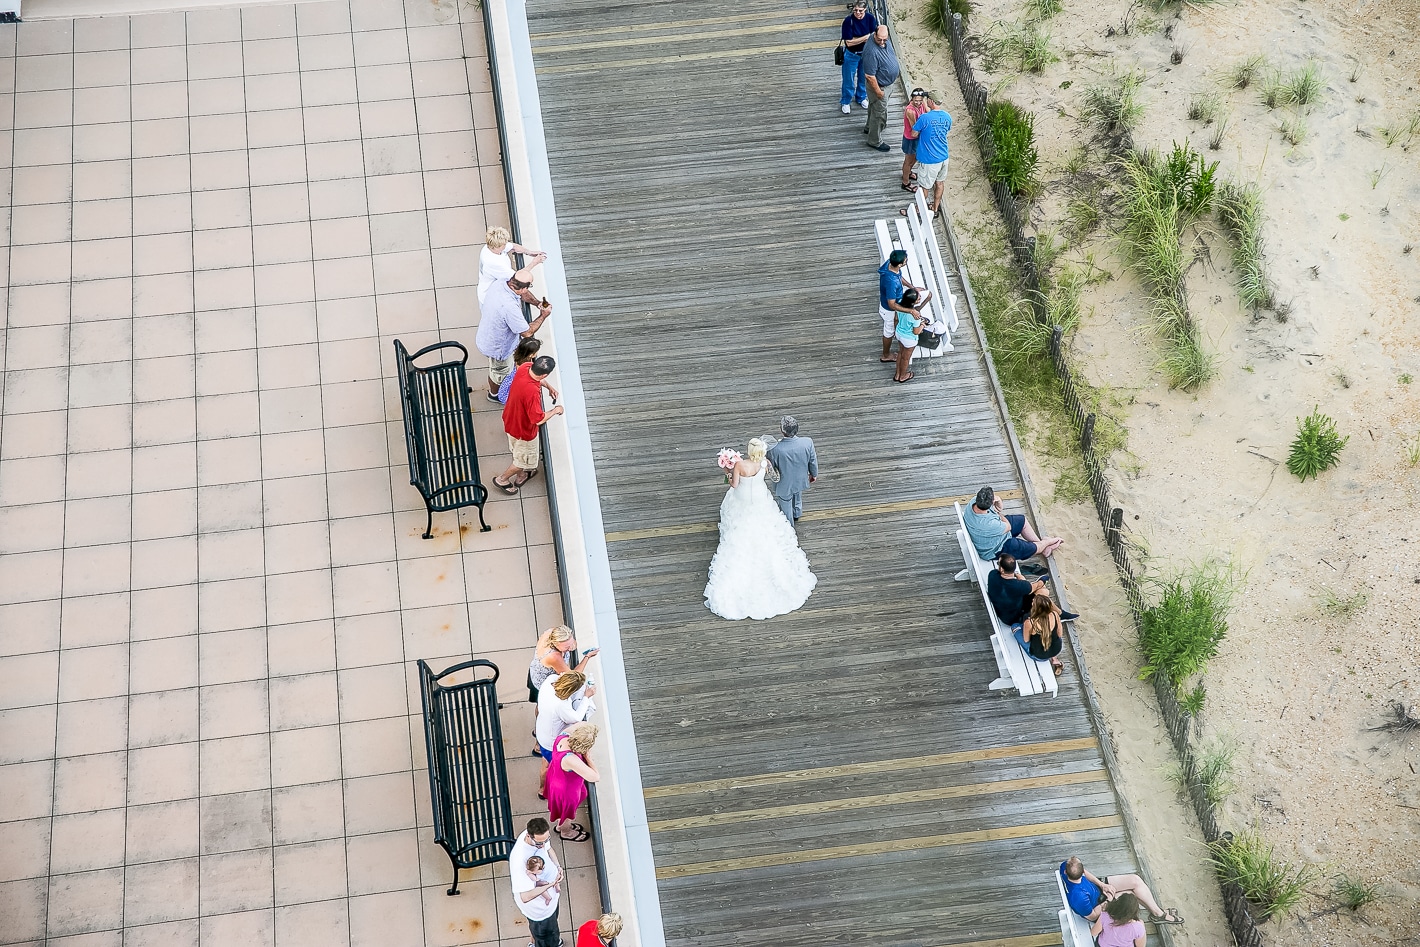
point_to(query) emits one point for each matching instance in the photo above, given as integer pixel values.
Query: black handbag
(838, 55)
(929, 340)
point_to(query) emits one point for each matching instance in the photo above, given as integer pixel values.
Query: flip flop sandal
(887, 361)
(1170, 916)
(903, 381)
(581, 836)
(527, 477)
(509, 488)
(908, 187)
(1058, 668)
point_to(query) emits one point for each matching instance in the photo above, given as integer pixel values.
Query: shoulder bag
(838, 55)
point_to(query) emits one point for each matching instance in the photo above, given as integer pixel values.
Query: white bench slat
(1074, 929)
(887, 244)
(935, 262)
(1018, 669)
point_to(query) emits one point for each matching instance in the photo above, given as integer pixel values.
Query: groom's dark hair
(788, 426)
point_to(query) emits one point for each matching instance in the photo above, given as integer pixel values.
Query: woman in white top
(562, 700)
(493, 262)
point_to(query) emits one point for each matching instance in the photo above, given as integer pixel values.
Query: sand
(1296, 689)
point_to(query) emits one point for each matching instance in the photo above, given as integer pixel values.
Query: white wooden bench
(924, 267)
(1017, 668)
(1074, 929)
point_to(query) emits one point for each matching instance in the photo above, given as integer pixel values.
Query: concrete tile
(162, 717)
(27, 734)
(162, 831)
(325, 922)
(165, 612)
(470, 918)
(302, 647)
(164, 664)
(161, 891)
(379, 803)
(368, 693)
(28, 679)
(162, 773)
(231, 604)
(375, 747)
(235, 881)
(308, 812)
(26, 845)
(86, 901)
(235, 764)
(311, 871)
(23, 905)
(229, 710)
(308, 700)
(93, 726)
(170, 934)
(84, 841)
(26, 790)
(165, 514)
(235, 822)
(233, 656)
(305, 756)
(386, 861)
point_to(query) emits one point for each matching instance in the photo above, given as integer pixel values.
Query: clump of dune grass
(1013, 158)
(1354, 893)
(1269, 882)
(1317, 446)
(1181, 631)
(1115, 108)
(1240, 213)
(1293, 129)
(1246, 72)
(1401, 133)
(1205, 108)
(1162, 198)
(1043, 9)
(1215, 140)
(1305, 85)
(939, 14)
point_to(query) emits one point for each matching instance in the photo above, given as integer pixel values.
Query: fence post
(1087, 435)
(1116, 527)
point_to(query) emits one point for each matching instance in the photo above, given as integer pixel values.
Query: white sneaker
(864, 103)
(847, 109)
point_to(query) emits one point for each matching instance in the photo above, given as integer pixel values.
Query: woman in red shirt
(600, 931)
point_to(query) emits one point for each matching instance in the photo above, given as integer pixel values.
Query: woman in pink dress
(567, 776)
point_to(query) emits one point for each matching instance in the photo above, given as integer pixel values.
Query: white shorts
(930, 174)
(889, 322)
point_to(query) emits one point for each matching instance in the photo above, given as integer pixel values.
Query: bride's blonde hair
(755, 452)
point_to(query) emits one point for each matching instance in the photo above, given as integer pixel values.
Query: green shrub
(1032, 44)
(1043, 9)
(1014, 157)
(1181, 632)
(1191, 701)
(1269, 882)
(1213, 769)
(1305, 86)
(1317, 446)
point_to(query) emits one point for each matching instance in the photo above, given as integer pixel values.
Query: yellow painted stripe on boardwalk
(707, 35)
(799, 857)
(876, 766)
(1029, 940)
(882, 799)
(742, 52)
(681, 24)
(871, 509)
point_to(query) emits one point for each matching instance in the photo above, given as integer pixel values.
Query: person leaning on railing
(599, 931)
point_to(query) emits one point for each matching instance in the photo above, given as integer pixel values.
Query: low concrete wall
(590, 606)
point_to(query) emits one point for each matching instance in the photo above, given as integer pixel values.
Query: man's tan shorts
(498, 369)
(930, 174)
(526, 454)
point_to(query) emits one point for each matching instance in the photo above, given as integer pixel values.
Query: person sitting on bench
(993, 531)
(1087, 894)
(1011, 593)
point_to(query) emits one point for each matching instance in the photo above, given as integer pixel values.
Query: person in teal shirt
(909, 323)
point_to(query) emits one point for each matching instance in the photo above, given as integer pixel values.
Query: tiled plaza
(213, 588)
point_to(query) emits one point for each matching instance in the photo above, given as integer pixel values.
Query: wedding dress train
(758, 571)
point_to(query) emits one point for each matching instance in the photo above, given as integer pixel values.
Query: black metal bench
(438, 432)
(468, 776)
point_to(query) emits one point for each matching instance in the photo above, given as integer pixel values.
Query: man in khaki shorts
(501, 325)
(522, 416)
(933, 152)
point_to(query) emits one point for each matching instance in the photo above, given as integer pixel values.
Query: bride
(758, 571)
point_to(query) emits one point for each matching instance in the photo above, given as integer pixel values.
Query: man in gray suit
(797, 464)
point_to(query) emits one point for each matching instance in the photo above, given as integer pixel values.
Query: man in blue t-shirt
(1086, 894)
(890, 287)
(932, 128)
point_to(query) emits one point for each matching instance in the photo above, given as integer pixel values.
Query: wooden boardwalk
(840, 774)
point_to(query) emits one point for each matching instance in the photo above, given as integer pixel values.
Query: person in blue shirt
(1086, 894)
(932, 128)
(857, 27)
(890, 288)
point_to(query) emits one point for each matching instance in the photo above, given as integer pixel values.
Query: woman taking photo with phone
(549, 658)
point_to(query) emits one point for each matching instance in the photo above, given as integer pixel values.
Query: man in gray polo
(881, 70)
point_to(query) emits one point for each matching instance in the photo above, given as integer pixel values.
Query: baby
(536, 868)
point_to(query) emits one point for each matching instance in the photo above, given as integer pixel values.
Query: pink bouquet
(727, 459)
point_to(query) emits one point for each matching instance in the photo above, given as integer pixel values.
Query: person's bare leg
(937, 190)
(1135, 885)
(1028, 534)
(1048, 546)
(507, 476)
(907, 162)
(887, 349)
(542, 781)
(523, 476)
(904, 361)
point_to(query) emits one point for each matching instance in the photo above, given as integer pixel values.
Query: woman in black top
(1042, 634)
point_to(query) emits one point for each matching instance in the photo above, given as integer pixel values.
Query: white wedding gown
(758, 571)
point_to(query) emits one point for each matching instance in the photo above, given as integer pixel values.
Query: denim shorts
(909, 146)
